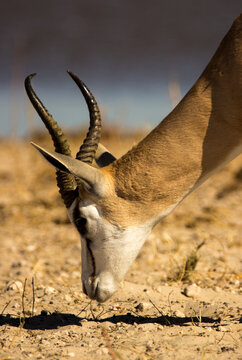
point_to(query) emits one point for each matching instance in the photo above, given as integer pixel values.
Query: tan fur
(186, 147)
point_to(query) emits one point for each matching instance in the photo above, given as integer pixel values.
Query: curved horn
(65, 182)
(89, 147)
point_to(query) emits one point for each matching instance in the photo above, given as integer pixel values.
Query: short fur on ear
(92, 178)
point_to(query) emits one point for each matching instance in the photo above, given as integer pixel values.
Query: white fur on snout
(114, 250)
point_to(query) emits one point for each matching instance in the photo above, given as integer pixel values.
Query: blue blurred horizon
(128, 108)
(128, 53)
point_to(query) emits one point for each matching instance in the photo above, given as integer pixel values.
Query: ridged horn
(88, 149)
(65, 181)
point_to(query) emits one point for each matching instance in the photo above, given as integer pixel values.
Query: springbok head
(109, 242)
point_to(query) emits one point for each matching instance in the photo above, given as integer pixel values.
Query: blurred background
(137, 57)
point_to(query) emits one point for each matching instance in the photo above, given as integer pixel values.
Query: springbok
(115, 205)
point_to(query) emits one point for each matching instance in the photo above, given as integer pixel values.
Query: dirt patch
(178, 301)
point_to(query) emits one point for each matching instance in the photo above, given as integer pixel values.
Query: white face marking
(113, 248)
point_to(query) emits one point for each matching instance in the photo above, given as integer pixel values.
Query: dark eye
(81, 225)
(81, 221)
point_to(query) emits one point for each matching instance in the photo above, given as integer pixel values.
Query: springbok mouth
(95, 292)
(90, 287)
(102, 295)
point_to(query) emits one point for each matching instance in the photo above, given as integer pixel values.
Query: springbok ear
(103, 157)
(92, 178)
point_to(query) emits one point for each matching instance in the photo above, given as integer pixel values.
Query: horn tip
(76, 79)
(70, 73)
(29, 77)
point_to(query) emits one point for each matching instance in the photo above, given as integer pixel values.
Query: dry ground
(178, 301)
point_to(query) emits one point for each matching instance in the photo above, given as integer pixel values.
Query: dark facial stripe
(80, 223)
(88, 242)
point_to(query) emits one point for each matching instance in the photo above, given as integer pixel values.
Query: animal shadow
(55, 320)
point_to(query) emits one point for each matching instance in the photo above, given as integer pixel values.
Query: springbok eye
(81, 225)
(81, 221)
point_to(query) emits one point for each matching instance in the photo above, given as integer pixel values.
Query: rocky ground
(180, 300)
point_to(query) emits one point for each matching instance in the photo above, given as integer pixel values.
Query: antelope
(115, 203)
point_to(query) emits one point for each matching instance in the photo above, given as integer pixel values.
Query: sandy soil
(167, 308)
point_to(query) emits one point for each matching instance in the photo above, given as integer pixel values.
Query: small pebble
(68, 298)
(192, 290)
(31, 248)
(179, 314)
(16, 306)
(142, 306)
(150, 343)
(222, 328)
(16, 285)
(105, 351)
(71, 354)
(49, 290)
